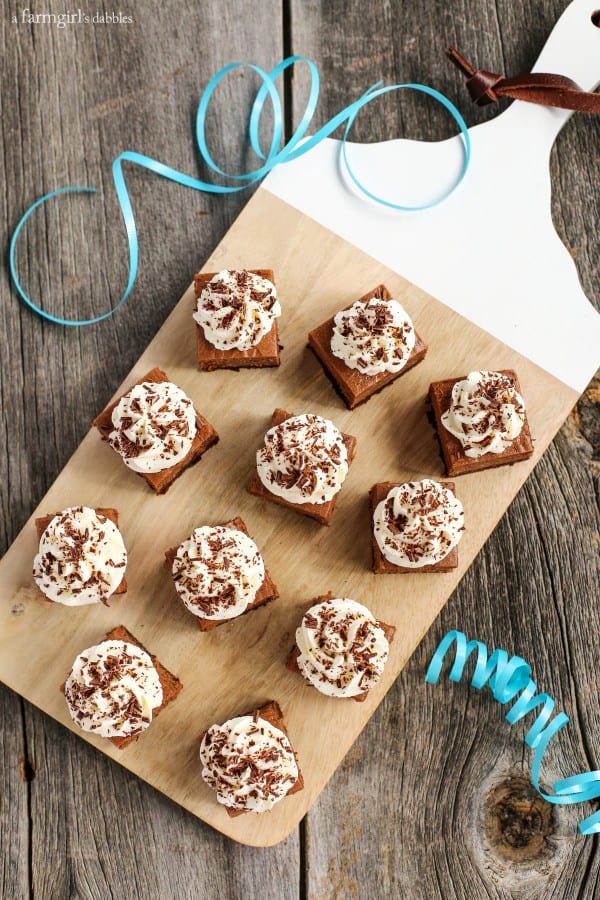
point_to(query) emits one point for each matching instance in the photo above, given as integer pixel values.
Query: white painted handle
(572, 49)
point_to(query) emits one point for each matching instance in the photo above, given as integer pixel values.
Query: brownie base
(271, 712)
(266, 593)
(206, 436)
(453, 454)
(292, 660)
(321, 512)
(170, 684)
(382, 566)
(353, 386)
(265, 354)
(42, 523)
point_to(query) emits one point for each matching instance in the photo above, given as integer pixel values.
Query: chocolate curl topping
(545, 89)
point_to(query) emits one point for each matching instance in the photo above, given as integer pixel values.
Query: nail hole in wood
(518, 822)
(26, 769)
(596, 18)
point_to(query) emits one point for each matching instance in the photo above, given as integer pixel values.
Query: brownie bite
(367, 345)
(219, 574)
(116, 688)
(156, 430)
(249, 761)
(302, 464)
(416, 527)
(341, 649)
(81, 557)
(481, 421)
(236, 319)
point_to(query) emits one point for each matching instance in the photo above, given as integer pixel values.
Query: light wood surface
(402, 815)
(242, 664)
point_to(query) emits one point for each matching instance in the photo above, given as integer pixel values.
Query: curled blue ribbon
(276, 154)
(506, 678)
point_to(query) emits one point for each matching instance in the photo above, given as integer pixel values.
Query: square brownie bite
(266, 592)
(204, 437)
(454, 453)
(303, 481)
(262, 354)
(380, 492)
(333, 628)
(390, 329)
(81, 558)
(256, 788)
(92, 689)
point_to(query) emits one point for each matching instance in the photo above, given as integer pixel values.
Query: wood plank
(15, 773)
(429, 755)
(317, 273)
(72, 99)
(113, 836)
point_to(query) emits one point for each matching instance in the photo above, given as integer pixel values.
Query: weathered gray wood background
(429, 803)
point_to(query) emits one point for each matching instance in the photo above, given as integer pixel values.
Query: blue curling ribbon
(276, 154)
(506, 678)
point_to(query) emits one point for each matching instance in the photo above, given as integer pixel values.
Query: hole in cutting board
(596, 18)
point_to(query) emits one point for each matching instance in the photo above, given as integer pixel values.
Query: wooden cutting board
(240, 665)
(490, 250)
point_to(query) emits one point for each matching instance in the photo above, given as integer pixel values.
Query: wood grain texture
(114, 836)
(138, 90)
(430, 755)
(71, 100)
(14, 798)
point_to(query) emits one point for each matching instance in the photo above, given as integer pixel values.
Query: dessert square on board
(266, 592)
(262, 354)
(354, 386)
(335, 629)
(321, 511)
(271, 763)
(84, 703)
(457, 462)
(381, 565)
(42, 522)
(205, 436)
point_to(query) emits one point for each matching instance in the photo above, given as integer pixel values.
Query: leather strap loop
(545, 89)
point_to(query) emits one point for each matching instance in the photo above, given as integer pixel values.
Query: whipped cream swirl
(304, 459)
(486, 413)
(236, 309)
(418, 523)
(81, 558)
(343, 649)
(373, 336)
(217, 572)
(112, 689)
(154, 426)
(249, 763)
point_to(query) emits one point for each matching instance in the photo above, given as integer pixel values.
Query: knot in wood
(518, 821)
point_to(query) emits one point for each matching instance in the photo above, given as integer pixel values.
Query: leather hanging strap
(548, 90)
